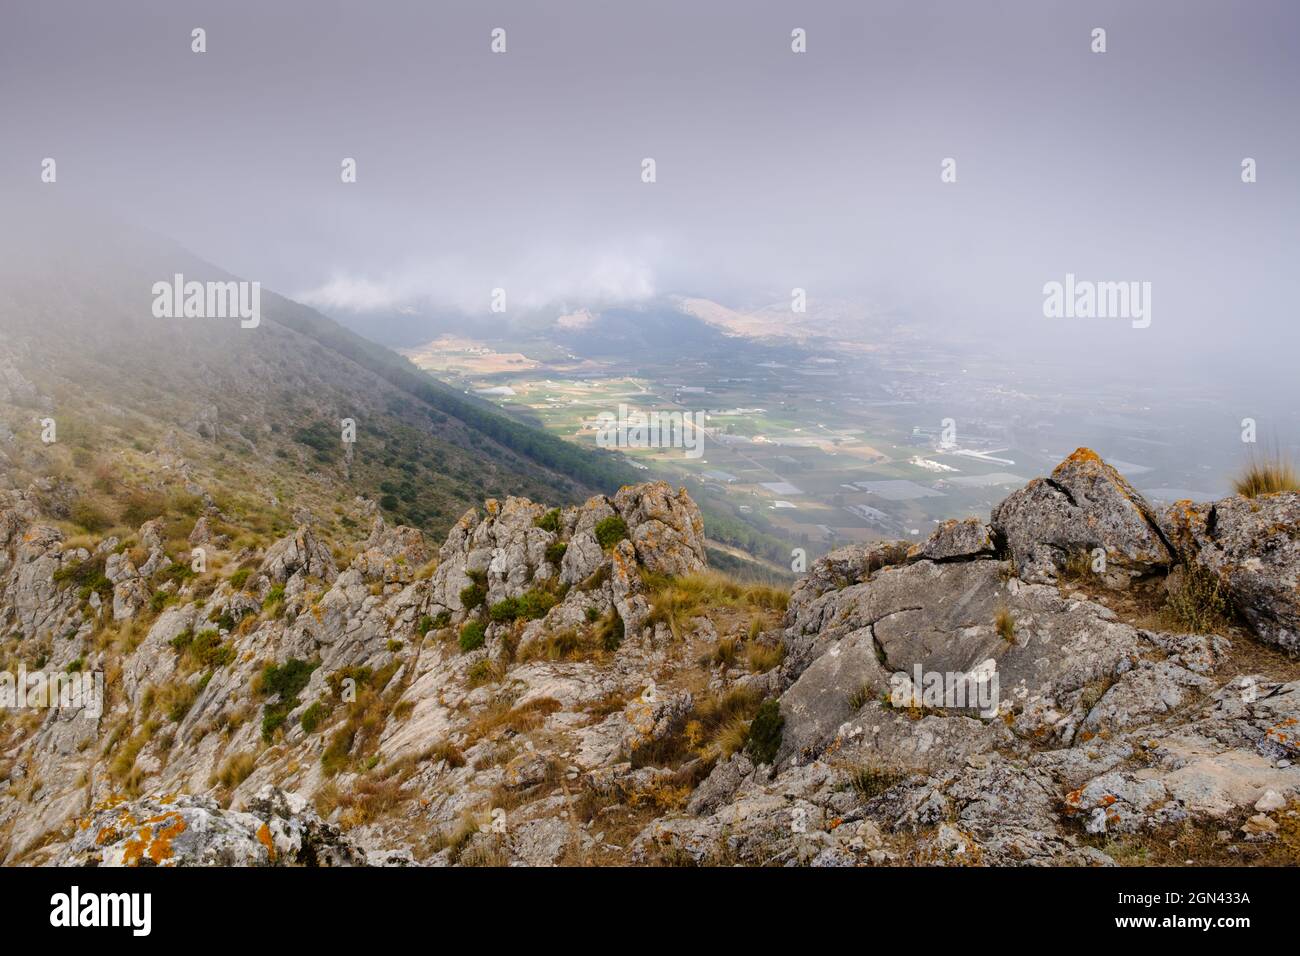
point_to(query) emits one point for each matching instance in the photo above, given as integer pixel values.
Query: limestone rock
(1252, 545)
(1085, 505)
(302, 552)
(276, 829)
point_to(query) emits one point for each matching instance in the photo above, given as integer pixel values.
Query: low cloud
(552, 278)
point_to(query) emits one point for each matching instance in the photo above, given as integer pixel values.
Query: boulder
(1085, 505)
(276, 829)
(665, 526)
(1051, 664)
(957, 540)
(1252, 545)
(302, 552)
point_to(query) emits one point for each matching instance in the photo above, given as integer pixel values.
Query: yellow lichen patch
(107, 835)
(1083, 454)
(135, 847)
(161, 848)
(108, 803)
(264, 836)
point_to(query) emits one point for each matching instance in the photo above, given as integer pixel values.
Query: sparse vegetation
(761, 658)
(313, 716)
(284, 681)
(675, 602)
(1266, 476)
(204, 650)
(473, 596)
(549, 521)
(1195, 601)
(1005, 624)
(765, 732)
(610, 531)
(861, 697)
(872, 781)
(235, 769)
(471, 636)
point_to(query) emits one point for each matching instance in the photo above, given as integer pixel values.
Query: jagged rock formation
(1101, 727)
(277, 829)
(1085, 505)
(1253, 547)
(572, 685)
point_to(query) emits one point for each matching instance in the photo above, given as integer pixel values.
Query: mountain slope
(252, 413)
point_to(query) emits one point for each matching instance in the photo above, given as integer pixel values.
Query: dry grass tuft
(1005, 624)
(1267, 476)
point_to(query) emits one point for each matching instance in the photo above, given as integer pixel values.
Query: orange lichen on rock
(264, 836)
(161, 848)
(135, 847)
(1082, 454)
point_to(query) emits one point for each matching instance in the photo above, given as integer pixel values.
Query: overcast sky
(775, 170)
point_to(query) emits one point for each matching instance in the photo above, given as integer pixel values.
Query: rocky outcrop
(943, 619)
(957, 541)
(665, 527)
(301, 554)
(538, 692)
(275, 829)
(1252, 547)
(1084, 506)
(1099, 726)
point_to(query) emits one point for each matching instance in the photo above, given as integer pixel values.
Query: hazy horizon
(775, 170)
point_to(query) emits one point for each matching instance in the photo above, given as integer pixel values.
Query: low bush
(471, 636)
(610, 531)
(765, 732)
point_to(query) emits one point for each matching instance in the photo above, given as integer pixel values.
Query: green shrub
(505, 610)
(335, 757)
(765, 732)
(203, 650)
(473, 596)
(176, 572)
(610, 531)
(471, 636)
(286, 680)
(274, 599)
(313, 716)
(240, 578)
(549, 521)
(223, 619)
(480, 672)
(555, 552)
(182, 703)
(529, 606)
(86, 576)
(534, 604)
(425, 625)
